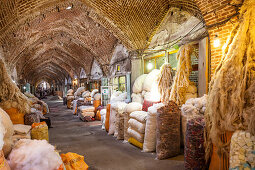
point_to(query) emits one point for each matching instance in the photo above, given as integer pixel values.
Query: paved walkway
(101, 151)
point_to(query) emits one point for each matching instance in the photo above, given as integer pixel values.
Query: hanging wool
(231, 103)
(165, 82)
(10, 95)
(181, 80)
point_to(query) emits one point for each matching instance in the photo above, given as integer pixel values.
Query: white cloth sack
(138, 84)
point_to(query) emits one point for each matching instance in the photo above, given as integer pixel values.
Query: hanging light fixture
(150, 65)
(216, 42)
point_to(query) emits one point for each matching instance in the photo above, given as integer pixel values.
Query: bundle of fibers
(138, 84)
(231, 103)
(9, 131)
(97, 96)
(95, 91)
(34, 154)
(165, 81)
(10, 95)
(181, 80)
(70, 92)
(79, 91)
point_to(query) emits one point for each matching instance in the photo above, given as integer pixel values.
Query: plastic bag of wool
(95, 91)
(103, 114)
(138, 84)
(34, 154)
(181, 82)
(231, 96)
(168, 131)
(119, 122)
(150, 130)
(150, 80)
(9, 131)
(10, 95)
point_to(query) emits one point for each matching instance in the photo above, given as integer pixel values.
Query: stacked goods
(97, 96)
(9, 131)
(33, 117)
(242, 151)
(150, 79)
(114, 107)
(168, 131)
(12, 100)
(86, 111)
(21, 132)
(136, 129)
(70, 98)
(119, 124)
(165, 80)
(118, 97)
(231, 96)
(107, 117)
(131, 107)
(70, 92)
(87, 97)
(192, 108)
(79, 91)
(34, 154)
(40, 131)
(182, 87)
(95, 91)
(85, 94)
(103, 115)
(138, 88)
(73, 161)
(76, 104)
(150, 129)
(194, 153)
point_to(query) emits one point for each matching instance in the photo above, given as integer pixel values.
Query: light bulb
(150, 65)
(216, 42)
(24, 87)
(69, 7)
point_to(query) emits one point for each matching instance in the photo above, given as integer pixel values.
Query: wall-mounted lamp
(24, 87)
(150, 65)
(216, 42)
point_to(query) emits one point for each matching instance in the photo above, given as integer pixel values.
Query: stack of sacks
(33, 117)
(119, 123)
(131, 107)
(79, 91)
(8, 131)
(103, 114)
(21, 132)
(86, 96)
(70, 92)
(40, 131)
(34, 154)
(118, 96)
(86, 111)
(136, 129)
(242, 151)
(45, 108)
(92, 94)
(77, 103)
(150, 129)
(97, 96)
(192, 108)
(138, 88)
(69, 98)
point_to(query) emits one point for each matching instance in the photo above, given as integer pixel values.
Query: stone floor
(101, 151)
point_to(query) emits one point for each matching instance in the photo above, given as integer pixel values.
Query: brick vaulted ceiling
(44, 39)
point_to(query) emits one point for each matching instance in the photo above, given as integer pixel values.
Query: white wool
(136, 125)
(152, 96)
(34, 155)
(112, 118)
(134, 106)
(90, 114)
(103, 115)
(21, 129)
(139, 115)
(137, 97)
(85, 94)
(138, 136)
(138, 84)
(79, 91)
(143, 93)
(94, 92)
(150, 79)
(97, 96)
(70, 91)
(87, 108)
(120, 98)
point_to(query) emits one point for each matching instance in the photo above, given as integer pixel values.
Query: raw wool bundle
(168, 131)
(70, 92)
(138, 84)
(7, 123)
(165, 81)
(150, 80)
(103, 114)
(131, 107)
(137, 97)
(118, 97)
(194, 152)
(97, 96)
(231, 96)
(34, 154)
(136, 135)
(86, 94)
(95, 91)
(21, 132)
(10, 95)
(29, 95)
(242, 151)
(150, 129)
(45, 107)
(79, 91)
(136, 125)
(181, 81)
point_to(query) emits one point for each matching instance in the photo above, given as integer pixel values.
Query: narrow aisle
(100, 150)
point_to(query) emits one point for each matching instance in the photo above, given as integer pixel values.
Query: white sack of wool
(136, 125)
(97, 96)
(168, 131)
(34, 154)
(151, 79)
(120, 98)
(138, 136)
(79, 91)
(141, 116)
(114, 110)
(181, 80)
(231, 96)
(85, 94)
(150, 128)
(8, 140)
(70, 92)
(95, 91)
(138, 84)
(119, 121)
(10, 95)
(165, 81)
(137, 97)
(21, 129)
(103, 115)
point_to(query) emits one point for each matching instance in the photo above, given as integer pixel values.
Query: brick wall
(217, 11)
